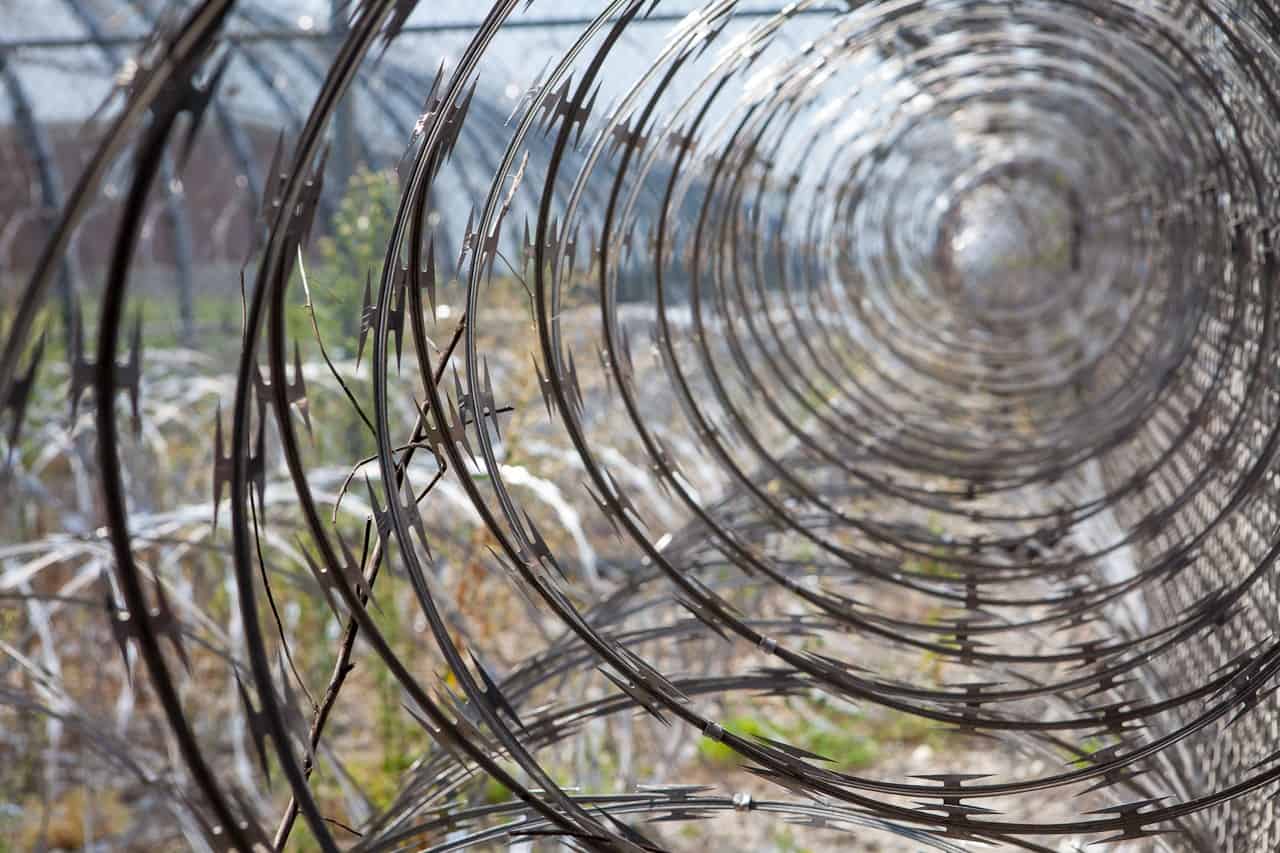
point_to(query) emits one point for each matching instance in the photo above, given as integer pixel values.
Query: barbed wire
(961, 304)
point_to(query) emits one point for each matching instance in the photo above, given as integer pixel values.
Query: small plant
(847, 738)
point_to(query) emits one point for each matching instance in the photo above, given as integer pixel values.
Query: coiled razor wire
(870, 329)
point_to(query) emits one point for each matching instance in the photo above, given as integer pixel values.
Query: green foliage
(850, 740)
(1082, 756)
(495, 792)
(401, 740)
(930, 567)
(718, 753)
(337, 268)
(345, 258)
(848, 750)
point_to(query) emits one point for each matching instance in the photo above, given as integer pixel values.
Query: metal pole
(344, 140)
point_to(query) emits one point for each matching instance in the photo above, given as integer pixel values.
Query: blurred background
(889, 400)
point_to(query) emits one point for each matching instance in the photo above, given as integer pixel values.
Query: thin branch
(342, 666)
